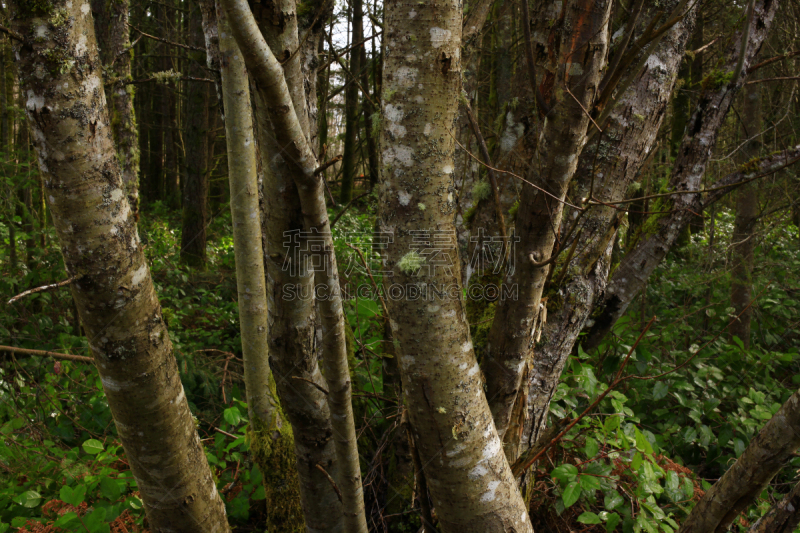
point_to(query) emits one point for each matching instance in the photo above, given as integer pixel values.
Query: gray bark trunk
(115, 297)
(783, 517)
(469, 479)
(688, 170)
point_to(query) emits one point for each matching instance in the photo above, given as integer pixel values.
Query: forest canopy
(350, 266)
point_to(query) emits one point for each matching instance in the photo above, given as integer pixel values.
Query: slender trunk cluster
(60, 75)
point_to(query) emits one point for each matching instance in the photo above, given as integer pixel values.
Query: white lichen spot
(80, 47)
(447, 169)
(113, 230)
(407, 360)
(412, 14)
(474, 370)
(478, 472)
(34, 102)
(439, 36)
(466, 347)
(398, 153)
(85, 8)
(427, 130)
(41, 32)
(493, 448)
(404, 197)
(489, 496)
(654, 63)
(139, 275)
(406, 76)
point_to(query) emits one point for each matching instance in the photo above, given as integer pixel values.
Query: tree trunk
(115, 297)
(270, 438)
(687, 174)
(744, 226)
(783, 517)
(195, 189)
(370, 123)
(275, 87)
(113, 40)
(468, 476)
(539, 214)
(765, 456)
(352, 122)
(627, 144)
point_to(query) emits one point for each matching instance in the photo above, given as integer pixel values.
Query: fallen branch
(43, 353)
(44, 288)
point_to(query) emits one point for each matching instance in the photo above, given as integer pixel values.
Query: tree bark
(765, 456)
(351, 126)
(195, 188)
(115, 297)
(293, 148)
(539, 214)
(744, 225)
(688, 170)
(608, 175)
(113, 40)
(469, 479)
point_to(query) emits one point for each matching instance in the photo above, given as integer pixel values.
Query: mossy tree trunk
(61, 78)
(469, 478)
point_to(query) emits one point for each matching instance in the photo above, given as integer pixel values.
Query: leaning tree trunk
(115, 294)
(744, 225)
(701, 136)
(783, 517)
(113, 40)
(764, 457)
(294, 149)
(469, 478)
(607, 176)
(195, 188)
(269, 436)
(564, 134)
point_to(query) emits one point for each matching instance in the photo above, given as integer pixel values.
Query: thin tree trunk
(115, 297)
(113, 39)
(349, 157)
(274, 85)
(370, 123)
(687, 174)
(195, 189)
(270, 438)
(539, 214)
(470, 482)
(744, 225)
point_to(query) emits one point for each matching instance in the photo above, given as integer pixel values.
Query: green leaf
(93, 446)
(738, 342)
(636, 462)
(612, 522)
(109, 488)
(29, 499)
(65, 519)
(588, 518)
(738, 447)
(232, 415)
(613, 500)
(660, 390)
(565, 473)
(134, 502)
(642, 444)
(592, 448)
(590, 483)
(571, 494)
(73, 496)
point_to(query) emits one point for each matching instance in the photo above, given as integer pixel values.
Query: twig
(745, 38)
(764, 80)
(551, 195)
(42, 353)
(226, 433)
(709, 45)
(345, 208)
(352, 76)
(44, 288)
(321, 389)
(584, 109)
(11, 33)
(345, 50)
(369, 273)
(180, 78)
(171, 43)
(323, 167)
(330, 480)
